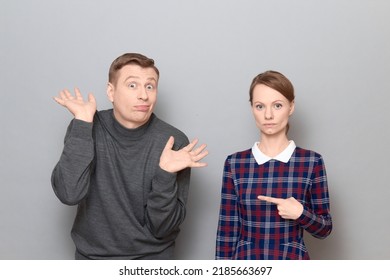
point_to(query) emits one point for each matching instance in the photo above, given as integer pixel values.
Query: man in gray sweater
(127, 170)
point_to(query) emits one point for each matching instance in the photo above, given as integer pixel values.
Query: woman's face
(271, 110)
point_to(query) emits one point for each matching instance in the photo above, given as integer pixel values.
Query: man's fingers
(190, 146)
(169, 144)
(199, 164)
(67, 94)
(63, 95)
(78, 94)
(91, 98)
(199, 150)
(59, 100)
(201, 153)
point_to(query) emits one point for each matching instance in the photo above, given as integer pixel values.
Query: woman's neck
(272, 146)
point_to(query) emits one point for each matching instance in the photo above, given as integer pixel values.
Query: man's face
(133, 95)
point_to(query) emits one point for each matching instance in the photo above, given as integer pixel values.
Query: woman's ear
(110, 92)
(292, 107)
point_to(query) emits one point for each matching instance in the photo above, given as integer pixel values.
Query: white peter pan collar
(284, 156)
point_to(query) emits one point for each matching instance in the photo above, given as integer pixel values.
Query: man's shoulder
(104, 113)
(165, 129)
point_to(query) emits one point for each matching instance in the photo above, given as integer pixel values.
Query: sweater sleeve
(166, 202)
(229, 222)
(316, 218)
(71, 176)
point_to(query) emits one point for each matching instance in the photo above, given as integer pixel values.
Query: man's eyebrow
(131, 77)
(152, 78)
(136, 77)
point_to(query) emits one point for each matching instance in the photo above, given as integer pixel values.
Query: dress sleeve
(229, 222)
(316, 218)
(166, 202)
(71, 176)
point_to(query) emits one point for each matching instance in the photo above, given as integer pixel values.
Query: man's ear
(110, 92)
(292, 107)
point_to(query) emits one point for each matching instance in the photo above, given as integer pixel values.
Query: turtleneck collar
(118, 130)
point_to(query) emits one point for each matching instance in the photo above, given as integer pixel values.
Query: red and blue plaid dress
(252, 229)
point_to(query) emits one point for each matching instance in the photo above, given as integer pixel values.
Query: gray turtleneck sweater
(128, 207)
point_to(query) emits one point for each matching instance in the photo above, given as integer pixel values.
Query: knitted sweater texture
(128, 207)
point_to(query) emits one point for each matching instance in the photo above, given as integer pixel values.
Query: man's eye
(149, 87)
(132, 85)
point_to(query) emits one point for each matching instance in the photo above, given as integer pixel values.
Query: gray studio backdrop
(336, 53)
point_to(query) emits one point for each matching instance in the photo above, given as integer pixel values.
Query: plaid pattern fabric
(252, 229)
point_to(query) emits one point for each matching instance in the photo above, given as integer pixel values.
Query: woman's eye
(278, 106)
(259, 107)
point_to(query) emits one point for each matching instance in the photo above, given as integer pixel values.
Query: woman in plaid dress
(274, 191)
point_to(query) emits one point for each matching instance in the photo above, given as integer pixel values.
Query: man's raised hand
(81, 109)
(189, 156)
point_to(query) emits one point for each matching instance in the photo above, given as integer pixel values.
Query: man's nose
(142, 94)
